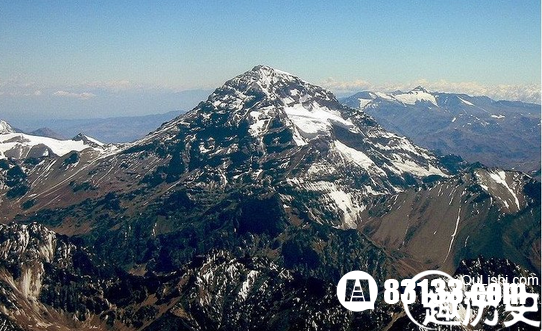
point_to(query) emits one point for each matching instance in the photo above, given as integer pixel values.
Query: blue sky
(78, 59)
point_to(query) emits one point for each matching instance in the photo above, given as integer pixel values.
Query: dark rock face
(244, 213)
(43, 271)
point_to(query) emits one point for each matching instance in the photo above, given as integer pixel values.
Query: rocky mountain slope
(243, 214)
(496, 133)
(493, 215)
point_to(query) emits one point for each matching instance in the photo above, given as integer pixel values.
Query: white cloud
(346, 87)
(526, 93)
(81, 96)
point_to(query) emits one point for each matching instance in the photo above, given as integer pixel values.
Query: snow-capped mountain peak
(269, 74)
(268, 125)
(18, 145)
(417, 95)
(88, 140)
(5, 127)
(275, 85)
(22, 146)
(238, 206)
(260, 94)
(419, 88)
(268, 78)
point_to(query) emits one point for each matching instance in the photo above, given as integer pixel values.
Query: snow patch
(97, 142)
(466, 102)
(21, 144)
(500, 178)
(498, 116)
(354, 155)
(412, 97)
(409, 166)
(350, 210)
(495, 183)
(363, 103)
(314, 119)
(384, 96)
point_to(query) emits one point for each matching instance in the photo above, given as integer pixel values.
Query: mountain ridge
(18, 145)
(495, 133)
(245, 212)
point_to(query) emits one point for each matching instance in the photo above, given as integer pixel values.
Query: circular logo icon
(357, 291)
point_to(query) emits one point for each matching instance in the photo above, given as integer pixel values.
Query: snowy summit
(5, 127)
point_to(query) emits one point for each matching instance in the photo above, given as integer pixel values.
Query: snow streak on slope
(502, 185)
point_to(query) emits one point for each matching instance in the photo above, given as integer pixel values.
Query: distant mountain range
(46, 132)
(479, 129)
(243, 214)
(496, 133)
(109, 130)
